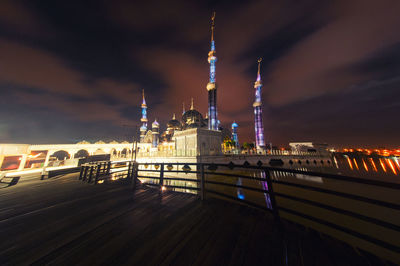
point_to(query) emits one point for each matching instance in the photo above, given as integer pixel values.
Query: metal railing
(264, 191)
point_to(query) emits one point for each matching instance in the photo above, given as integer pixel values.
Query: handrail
(132, 169)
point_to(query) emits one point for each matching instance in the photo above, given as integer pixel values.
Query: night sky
(74, 70)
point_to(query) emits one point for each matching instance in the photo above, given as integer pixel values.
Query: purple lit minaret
(258, 123)
(212, 85)
(143, 128)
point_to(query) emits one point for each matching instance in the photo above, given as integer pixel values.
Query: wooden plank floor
(63, 221)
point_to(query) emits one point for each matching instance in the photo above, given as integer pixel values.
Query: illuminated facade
(258, 122)
(235, 135)
(212, 85)
(144, 120)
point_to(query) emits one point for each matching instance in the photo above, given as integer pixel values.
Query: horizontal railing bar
(182, 179)
(119, 170)
(310, 173)
(170, 178)
(239, 200)
(183, 187)
(148, 170)
(169, 171)
(341, 211)
(236, 186)
(171, 186)
(150, 177)
(344, 229)
(234, 175)
(181, 171)
(324, 175)
(341, 194)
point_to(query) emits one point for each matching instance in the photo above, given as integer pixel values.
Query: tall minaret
(143, 128)
(155, 133)
(235, 134)
(259, 128)
(212, 85)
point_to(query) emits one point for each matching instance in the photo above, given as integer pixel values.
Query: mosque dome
(234, 124)
(83, 142)
(192, 118)
(174, 124)
(155, 124)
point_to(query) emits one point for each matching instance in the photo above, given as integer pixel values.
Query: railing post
(202, 179)
(271, 194)
(90, 174)
(128, 175)
(97, 173)
(81, 173)
(134, 175)
(108, 167)
(85, 172)
(161, 175)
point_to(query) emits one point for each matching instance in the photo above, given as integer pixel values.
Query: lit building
(212, 85)
(144, 120)
(258, 122)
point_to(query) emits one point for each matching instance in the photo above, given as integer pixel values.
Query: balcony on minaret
(257, 84)
(212, 56)
(211, 86)
(256, 104)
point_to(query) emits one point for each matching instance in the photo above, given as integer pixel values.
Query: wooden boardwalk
(63, 221)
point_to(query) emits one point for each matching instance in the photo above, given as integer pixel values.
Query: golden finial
(173, 117)
(192, 105)
(143, 93)
(259, 64)
(212, 25)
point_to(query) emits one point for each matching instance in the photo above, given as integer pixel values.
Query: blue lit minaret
(143, 128)
(258, 123)
(235, 134)
(212, 85)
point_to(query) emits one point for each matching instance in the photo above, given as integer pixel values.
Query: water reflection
(368, 166)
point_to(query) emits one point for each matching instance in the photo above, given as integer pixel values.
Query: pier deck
(62, 221)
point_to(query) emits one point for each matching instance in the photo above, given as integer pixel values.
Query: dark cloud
(330, 69)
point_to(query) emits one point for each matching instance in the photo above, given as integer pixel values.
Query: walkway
(63, 221)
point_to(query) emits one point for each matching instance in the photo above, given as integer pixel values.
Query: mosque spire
(144, 100)
(212, 85)
(183, 108)
(212, 26)
(192, 105)
(259, 66)
(173, 117)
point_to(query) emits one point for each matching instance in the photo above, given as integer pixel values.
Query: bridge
(200, 213)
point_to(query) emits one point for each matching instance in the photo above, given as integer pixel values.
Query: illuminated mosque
(194, 134)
